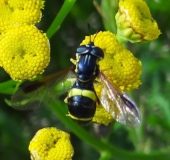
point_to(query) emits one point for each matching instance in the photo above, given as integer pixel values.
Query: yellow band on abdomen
(82, 92)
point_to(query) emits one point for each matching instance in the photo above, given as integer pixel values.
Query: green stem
(66, 7)
(102, 146)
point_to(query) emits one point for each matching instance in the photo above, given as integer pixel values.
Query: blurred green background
(18, 127)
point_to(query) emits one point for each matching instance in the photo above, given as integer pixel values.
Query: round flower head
(14, 12)
(24, 52)
(51, 144)
(119, 65)
(135, 23)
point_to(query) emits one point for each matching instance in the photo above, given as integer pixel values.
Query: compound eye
(83, 49)
(98, 52)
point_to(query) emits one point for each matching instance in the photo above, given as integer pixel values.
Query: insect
(81, 97)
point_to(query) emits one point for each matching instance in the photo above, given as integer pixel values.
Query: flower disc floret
(51, 144)
(102, 116)
(119, 64)
(24, 52)
(5, 15)
(135, 23)
(14, 12)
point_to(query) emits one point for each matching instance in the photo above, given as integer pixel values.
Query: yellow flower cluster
(135, 23)
(51, 144)
(119, 65)
(14, 12)
(24, 50)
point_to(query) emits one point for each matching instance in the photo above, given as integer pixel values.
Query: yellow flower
(51, 144)
(102, 116)
(14, 12)
(119, 65)
(24, 52)
(135, 23)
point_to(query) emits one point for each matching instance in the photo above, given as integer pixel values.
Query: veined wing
(118, 104)
(45, 90)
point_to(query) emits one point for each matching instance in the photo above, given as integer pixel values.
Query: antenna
(89, 29)
(97, 32)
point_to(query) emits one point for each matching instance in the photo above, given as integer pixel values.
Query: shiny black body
(87, 68)
(82, 107)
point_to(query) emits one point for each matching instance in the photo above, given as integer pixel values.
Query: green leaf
(8, 87)
(108, 11)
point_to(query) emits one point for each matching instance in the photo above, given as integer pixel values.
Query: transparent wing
(38, 93)
(118, 104)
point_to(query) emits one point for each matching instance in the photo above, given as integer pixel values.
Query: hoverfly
(81, 98)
